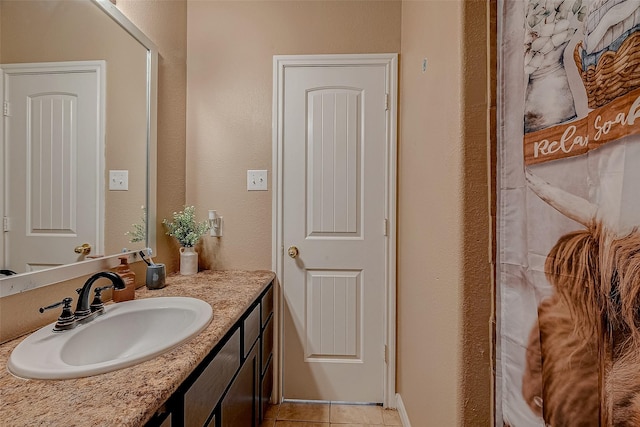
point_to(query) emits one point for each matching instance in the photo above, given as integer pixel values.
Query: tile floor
(295, 414)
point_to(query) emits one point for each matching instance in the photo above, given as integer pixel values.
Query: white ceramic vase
(188, 261)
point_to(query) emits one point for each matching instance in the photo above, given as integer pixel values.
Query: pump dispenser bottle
(129, 278)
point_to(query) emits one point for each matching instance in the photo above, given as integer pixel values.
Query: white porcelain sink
(126, 334)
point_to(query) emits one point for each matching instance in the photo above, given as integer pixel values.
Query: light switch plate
(256, 180)
(119, 180)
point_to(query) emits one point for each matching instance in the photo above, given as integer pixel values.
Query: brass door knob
(293, 251)
(85, 249)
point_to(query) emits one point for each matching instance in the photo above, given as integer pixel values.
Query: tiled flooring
(294, 414)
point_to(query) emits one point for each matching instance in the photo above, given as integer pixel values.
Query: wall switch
(119, 180)
(256, 180)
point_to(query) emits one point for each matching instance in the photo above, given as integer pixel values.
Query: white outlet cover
(256, 180)
(119, 180)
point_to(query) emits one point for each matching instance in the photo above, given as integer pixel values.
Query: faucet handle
(67, 319)
(97, 306)
(65, 301)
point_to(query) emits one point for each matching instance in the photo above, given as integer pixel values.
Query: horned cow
(583, 355)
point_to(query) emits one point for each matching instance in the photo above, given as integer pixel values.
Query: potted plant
(187, 231)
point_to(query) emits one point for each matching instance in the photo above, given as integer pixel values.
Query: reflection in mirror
(79, 134)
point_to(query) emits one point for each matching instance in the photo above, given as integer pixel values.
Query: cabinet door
(251, 329)
(239, 406)
(266, 367)
(267, 344)
(166, 422)
(266, 386)
(267, 305)
(203, 395)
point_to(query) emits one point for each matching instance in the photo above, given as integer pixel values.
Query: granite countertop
(131, 396)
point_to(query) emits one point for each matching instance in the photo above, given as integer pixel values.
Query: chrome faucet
(83, 310)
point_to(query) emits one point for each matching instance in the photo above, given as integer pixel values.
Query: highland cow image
(584, 352)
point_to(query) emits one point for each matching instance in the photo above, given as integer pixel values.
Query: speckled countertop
(130, 396)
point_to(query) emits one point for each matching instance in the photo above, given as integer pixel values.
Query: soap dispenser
(129, 278)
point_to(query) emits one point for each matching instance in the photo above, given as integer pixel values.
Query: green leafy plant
(184, 227)
(139, 233)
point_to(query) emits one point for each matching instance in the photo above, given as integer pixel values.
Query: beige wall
(229, 101)
(444, 293)
(165, 23)
(444, 276)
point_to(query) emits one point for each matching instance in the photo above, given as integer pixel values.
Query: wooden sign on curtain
(606, 56)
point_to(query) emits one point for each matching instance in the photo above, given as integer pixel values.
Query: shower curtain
(568, 199)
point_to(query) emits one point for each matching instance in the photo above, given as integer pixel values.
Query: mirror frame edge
(152, 111)
(31, 280)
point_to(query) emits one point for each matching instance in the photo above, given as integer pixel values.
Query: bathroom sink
(126, 334)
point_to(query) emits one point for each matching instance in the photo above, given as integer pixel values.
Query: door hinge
(386, 102)
(5, 223)
(385, 226)
(5, 108)
(386, 354)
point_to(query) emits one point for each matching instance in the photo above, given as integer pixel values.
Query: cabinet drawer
(267, 305)
(203, 395)
(251, 329)
(267, 343)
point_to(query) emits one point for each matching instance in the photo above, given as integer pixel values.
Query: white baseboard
(402, 411)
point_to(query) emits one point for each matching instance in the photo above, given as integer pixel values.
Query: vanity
(221, 377)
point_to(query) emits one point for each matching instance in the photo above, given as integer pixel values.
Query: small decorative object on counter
(156, 275)
(129, 279)
(187, 232)
(188, 261)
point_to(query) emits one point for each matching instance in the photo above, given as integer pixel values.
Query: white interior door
(335, 146)
(54, 158)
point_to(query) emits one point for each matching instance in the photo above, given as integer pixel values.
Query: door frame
(390, 62)
(2, 177)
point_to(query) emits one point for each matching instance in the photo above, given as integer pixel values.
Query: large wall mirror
(78, 148)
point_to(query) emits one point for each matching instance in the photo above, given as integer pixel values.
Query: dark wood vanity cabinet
(232, 385)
